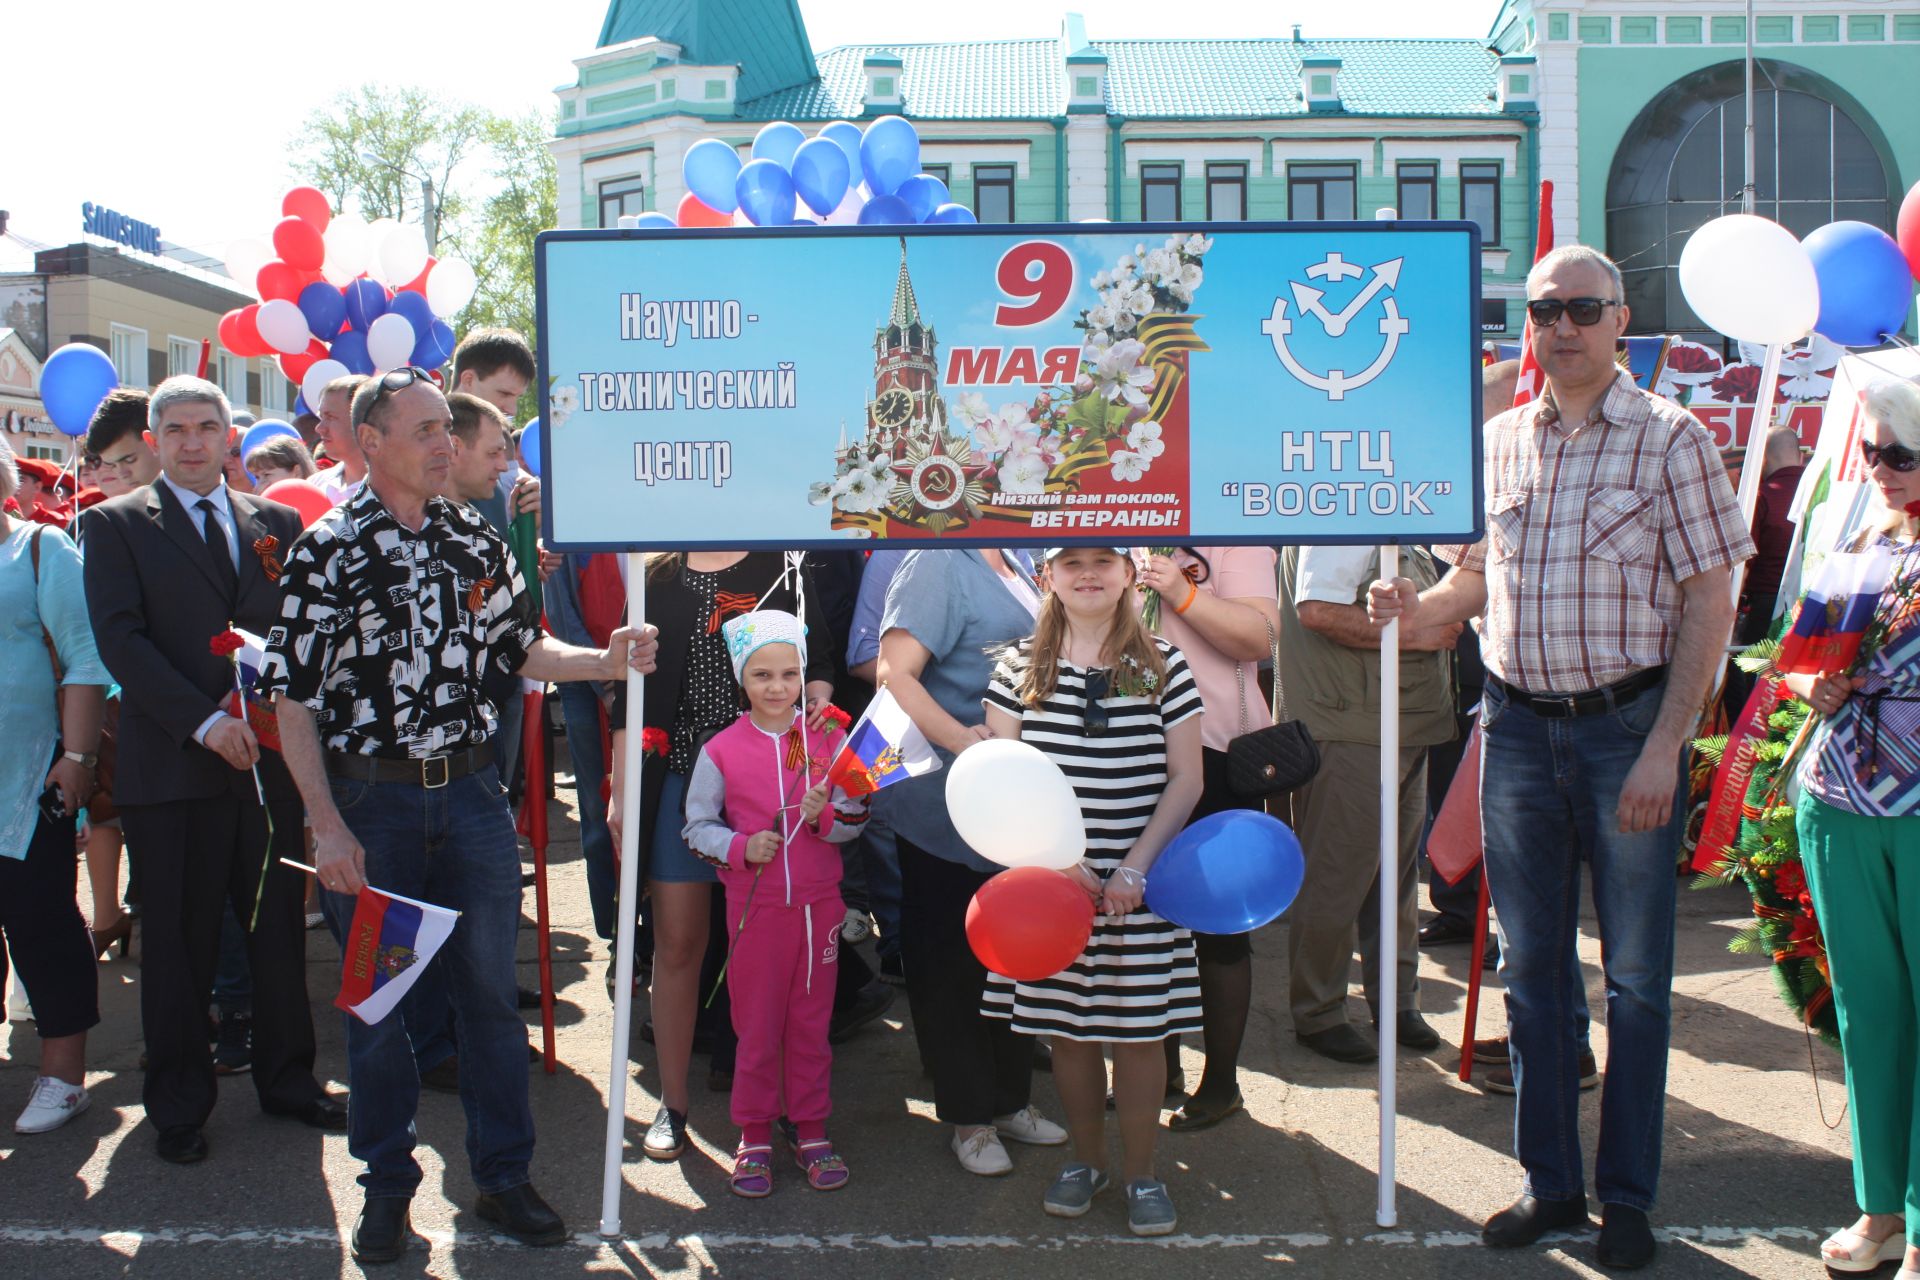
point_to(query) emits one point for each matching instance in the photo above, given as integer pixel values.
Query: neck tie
(223, 567)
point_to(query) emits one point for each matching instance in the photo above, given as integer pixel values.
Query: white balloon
(244, 260)
(319, 374)
(450, 286)
(1747, 277)
(390, 341)
(346, 238)
(283, 326)
(847, 213)
(377, 232)
(403, 254)
(1013, 806)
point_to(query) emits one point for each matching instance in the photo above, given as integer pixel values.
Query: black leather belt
(430, 772)
(1594, 702)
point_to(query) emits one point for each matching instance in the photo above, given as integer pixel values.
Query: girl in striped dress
(1118, 711)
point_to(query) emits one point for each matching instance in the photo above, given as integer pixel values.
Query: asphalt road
(1753, 1176)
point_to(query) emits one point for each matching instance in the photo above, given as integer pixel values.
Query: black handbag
(1271, 761)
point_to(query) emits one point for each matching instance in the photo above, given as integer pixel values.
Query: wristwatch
(86, 760)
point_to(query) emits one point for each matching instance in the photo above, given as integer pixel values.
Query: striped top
(1866, 757)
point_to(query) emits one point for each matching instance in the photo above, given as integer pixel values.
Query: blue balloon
(73, 382)
(325, 309)
(350, 349)
(889, 154)
(777, 142)
(709, 171)
(1866, 286)
(765, 193)
(1230, 872)
(366, 302)
(882, 210)
(821, 173)
(847, 138)
(261, 432)
(530, 446)
(414, 307)
(300, 405)
(654, 218)
(435, 346)
(952, 213)
(923, 193)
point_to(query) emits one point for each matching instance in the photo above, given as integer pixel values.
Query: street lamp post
(429, 211)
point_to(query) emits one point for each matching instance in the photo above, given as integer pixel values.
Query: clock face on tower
(892, 407)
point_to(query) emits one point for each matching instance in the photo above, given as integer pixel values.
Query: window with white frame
(276, 393)
(230, 372)
(183, 356)
(128, 348)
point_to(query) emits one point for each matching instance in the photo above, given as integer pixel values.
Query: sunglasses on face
(1546, 312)
(1896, 456)
(1099, 684)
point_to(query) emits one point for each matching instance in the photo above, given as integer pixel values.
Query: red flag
(1532, 380)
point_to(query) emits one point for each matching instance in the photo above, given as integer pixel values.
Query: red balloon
(296, 366)
(419, 283)
(279, 280)
(1907, 230)
(305, 497)
(240, 332)
(299, 244)
(695, 212)
(1029, 923)
(307, 204)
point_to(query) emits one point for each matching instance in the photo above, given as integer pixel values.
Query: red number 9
(1045, 290)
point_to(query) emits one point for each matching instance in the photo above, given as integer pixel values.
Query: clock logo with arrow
(1309, 300)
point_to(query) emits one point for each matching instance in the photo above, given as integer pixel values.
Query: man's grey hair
(1582, 256)
(186, 389)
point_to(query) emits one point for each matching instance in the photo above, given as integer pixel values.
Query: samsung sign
(97, 220)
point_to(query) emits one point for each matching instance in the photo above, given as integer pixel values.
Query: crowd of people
(1584, 633)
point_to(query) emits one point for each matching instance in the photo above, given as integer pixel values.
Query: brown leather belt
(1594, 702)
(430, 772)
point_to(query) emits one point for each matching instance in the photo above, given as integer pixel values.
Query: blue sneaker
(1149, 1208)
(1073, 1191)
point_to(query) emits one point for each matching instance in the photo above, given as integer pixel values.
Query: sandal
(825, 1171)
(752, 1172)
(1850, 1252)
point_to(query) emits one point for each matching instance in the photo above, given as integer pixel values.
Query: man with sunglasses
(1604, 581)
(397, 602)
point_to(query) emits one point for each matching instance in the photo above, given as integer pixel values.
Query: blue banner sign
(972, 385)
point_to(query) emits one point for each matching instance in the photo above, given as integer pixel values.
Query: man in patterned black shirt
(396, 604)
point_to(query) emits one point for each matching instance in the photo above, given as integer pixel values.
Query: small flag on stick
(389, 942)
(1833, 618)
(882, 749)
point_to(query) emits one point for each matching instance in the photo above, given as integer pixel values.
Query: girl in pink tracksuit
(757, 804)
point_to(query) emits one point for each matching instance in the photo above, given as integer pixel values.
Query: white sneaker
(982, 1153)
(54, 1102)
(1029, 1126)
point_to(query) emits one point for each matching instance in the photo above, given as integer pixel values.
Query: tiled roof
(1146, 79)
(767, 38)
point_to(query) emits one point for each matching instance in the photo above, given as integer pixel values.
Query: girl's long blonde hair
(1139, 668)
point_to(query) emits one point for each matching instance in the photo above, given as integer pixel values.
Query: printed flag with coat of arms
(242, 704)
(880, 750)
(391, 940)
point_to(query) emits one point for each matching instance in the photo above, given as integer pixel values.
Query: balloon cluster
(341, 295)
(1850, 282)
(1231, 872)
(839, 177)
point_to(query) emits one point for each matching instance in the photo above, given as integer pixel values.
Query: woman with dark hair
(690, 697)
(1217, 607)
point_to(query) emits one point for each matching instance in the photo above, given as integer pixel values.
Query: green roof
(766, 38)
(1147, 79)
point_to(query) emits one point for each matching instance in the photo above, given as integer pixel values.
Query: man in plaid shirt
(1604, 584)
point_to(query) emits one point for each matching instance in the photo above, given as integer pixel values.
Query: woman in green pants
(1859, 826)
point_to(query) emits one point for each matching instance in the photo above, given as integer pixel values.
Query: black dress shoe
(1412, 1031)
(526, 997)
(1527, 1219)
(324, 1112)
(381, 1234)
(1196, 1114)
(867, 1004)
(1442, 930)
(521, 1213)
(1340, 1042)
(182, 1144)
(1626, 1239)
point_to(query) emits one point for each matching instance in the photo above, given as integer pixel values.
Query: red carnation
(837, 717)
(226, 644)
(654, 742)
(1737, 384)
(1691, 357)
(1789, 881)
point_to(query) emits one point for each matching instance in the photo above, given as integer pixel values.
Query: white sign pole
(629, 896)
(1389, 944)
(1754, 462)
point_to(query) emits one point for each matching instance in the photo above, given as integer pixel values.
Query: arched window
(1818, 158)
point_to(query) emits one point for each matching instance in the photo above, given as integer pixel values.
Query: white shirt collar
(189, 499)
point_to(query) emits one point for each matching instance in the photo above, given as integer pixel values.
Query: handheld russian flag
(882, 749)
(241, 704)
(389, 943)
(1833, 617)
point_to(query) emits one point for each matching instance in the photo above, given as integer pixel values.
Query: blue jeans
(452, 846)
(233, 979)
(1540, 780)
(580, 709)
(880, 860)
